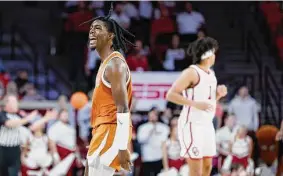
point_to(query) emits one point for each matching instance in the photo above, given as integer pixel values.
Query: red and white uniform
(38, 155)
(240, 147)
(195, 128)
(173, 151)
(239, 154)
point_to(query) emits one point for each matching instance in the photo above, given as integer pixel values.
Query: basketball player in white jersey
(196, 89)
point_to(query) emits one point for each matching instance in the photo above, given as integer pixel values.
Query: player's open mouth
(92, 41)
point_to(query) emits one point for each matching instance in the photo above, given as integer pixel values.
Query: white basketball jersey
(204, 91)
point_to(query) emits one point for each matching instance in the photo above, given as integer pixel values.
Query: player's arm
(116, 75)
(186, 79)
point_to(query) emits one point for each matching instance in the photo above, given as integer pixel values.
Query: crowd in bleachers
(273, 14)
(56, 140)
(163, 30)
(60, 137)
(21, 85)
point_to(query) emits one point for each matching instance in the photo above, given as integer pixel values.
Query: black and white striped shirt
(9, 137)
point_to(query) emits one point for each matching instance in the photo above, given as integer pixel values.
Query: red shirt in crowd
(137, 63)
(4, 78)
(77, 18)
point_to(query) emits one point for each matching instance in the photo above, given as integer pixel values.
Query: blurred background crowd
(44, 59)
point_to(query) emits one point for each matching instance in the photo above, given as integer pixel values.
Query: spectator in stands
(12, 88)
(201, 33)
(91, 67)
(240, 151)
(64, 136)
(31, 94)
(166, 116)
(160, 37)
(145, 10)
(245, 109)
(223, 138)
(217, 121)
(145, 13)
(162, 25)
(120, 17)
(237, 170)
(137, 149)
(2, 67)
(77, 36)
(171, 150)
(62, 105)
(10, 138)
(82, 121)
(76, 18)
(175, 55)
(171, 6)
(62, 102)
(21, 80)
(157, 12)
(40, 151)
(71, 6)
(79, 120)
(2, 90)
(137, 60)
(135, 116)
(4, 76)
(97, 6)
(130, 10)
(151, 135)
(189, 21)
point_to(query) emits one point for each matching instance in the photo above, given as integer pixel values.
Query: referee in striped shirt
(10, 123)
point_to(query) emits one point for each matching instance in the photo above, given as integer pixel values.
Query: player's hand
(221, 90)
(279, 136)
(203, 106)
(124, 158)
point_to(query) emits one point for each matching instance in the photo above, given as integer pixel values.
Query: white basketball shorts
(197, 140)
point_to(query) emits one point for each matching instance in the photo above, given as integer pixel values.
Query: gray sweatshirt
(246, 112)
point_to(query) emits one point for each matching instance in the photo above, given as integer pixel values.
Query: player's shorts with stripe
(103, 148)
(197, 140)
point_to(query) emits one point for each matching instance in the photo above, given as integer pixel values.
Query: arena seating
(274, 19)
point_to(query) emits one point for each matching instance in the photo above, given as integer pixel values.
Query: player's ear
(111, 36)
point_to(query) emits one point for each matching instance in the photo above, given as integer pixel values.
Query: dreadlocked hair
(119, 40)
(200, 46)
